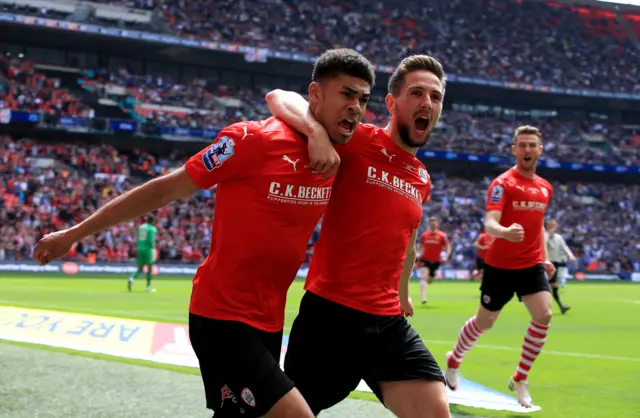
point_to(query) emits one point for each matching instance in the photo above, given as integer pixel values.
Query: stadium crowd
(23, 88)
(205, 104)
(534, 42)
(530, 42)
(599, 221)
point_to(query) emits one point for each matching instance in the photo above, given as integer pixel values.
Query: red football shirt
(523, 201)
(375, 205)
(484, 240)
(432, 245)
(267, 205)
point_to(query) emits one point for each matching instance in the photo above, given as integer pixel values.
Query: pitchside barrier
(169, 344)
(72, 268)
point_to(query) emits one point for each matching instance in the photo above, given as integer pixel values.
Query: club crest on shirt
(496, 193)
(423, 175)
(218, 153)
(544, 191)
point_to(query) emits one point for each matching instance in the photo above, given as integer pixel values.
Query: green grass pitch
(588, 367)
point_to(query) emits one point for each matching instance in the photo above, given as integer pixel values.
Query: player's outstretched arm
(293, 109)
(137, 202)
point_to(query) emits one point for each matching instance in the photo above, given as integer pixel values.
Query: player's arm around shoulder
(293, 109)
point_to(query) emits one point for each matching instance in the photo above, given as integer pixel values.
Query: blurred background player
(559, 254)
(146, 252)
(433, 241)
(517, 262)
(482, 244)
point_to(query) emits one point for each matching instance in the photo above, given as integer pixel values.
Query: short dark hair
(526, 130)
(339, 61)
(411, 64)
(150, 218)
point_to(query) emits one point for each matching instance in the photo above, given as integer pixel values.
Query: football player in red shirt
(482, 243)
(516, 263)
(236, 314)
(432, 241)
(351, 324)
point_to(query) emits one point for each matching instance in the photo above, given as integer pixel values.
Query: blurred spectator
(601, 222)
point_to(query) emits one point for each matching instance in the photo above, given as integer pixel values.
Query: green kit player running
(146, 243)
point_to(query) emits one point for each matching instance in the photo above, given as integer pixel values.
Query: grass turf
(587, 368)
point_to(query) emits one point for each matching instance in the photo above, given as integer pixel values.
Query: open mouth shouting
(422, 124)
(347, 126)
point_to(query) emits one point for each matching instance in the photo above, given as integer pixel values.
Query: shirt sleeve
(496, 196)
(427, 195)
(237, 152)
(445, 240)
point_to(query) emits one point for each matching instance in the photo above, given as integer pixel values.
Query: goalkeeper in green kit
(146, 243)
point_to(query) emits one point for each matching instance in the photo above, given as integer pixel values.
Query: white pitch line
(557, 353)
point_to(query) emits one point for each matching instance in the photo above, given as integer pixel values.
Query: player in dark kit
(351, 324)
(266, 191)
(517, 262)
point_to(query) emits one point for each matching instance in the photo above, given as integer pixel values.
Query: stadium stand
(599, 221)
(204, 104)
(536, 42)
(46, 185)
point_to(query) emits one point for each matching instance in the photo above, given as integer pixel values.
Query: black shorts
(332, 347)
(557, 265)
(433, 266)
(240, 367)
(499, 285)
(479, 263)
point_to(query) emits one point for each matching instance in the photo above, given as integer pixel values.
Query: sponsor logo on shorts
(248, 397)
(227, 394)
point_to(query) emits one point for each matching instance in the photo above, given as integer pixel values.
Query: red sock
(534, 339)
(467, 338)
